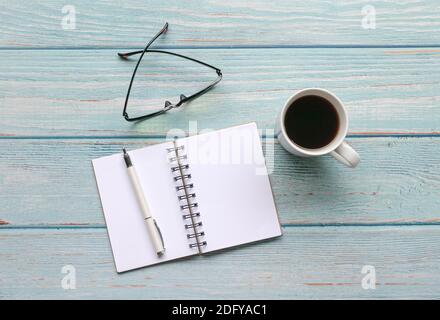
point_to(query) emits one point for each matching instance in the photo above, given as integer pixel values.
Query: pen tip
(125, 151)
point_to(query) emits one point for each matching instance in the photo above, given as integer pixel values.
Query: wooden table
(61, 98)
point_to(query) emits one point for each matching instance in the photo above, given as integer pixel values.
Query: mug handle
(346, 154)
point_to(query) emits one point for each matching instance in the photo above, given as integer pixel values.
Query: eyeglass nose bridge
(169, 105)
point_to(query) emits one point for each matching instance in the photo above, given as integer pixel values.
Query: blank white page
(233, 190)
(128, 233)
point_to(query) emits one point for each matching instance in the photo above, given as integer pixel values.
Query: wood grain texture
(81, 92)
(51, 182)
(310, 262)
(218, 23)
(61, 97)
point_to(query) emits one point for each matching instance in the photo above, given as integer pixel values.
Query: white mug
(338, 148)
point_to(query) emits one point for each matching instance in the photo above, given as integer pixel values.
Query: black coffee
(311, 122)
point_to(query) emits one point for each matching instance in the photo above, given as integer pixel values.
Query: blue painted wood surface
(61, 94)
(37, 23)
(81, 92)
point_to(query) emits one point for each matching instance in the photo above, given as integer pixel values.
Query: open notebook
(229, 196)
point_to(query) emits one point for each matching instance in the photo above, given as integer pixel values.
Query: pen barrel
(139, 194)
(153, 230)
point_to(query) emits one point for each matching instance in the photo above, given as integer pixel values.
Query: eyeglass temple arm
(127, 54)
(124, 112)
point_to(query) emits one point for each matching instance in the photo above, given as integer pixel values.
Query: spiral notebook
(207, 192)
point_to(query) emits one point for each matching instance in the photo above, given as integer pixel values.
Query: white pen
(153, 228)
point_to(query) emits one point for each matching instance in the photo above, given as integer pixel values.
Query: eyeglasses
(168, 105)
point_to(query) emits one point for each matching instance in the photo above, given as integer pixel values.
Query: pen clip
(160, 233)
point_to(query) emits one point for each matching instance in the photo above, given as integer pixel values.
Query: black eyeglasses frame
(168, 105)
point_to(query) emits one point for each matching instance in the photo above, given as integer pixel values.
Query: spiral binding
(186, 196)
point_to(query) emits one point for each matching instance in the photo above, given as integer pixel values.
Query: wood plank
(307, 262)
(81, 92)
(219, 23)
(51, 182)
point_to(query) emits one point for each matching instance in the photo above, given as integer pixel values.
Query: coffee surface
(311, 122)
